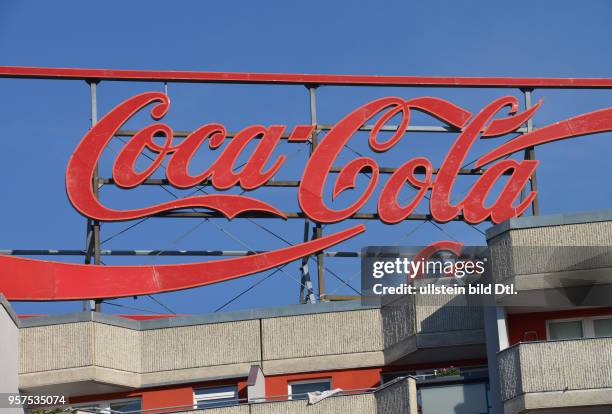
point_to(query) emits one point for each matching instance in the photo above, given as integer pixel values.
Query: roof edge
(9, 310)
(204, 319)
(528, 222)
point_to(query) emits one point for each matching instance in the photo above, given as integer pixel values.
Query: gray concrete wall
(511, 254)
(200, 346)
(322, 334)
(127, 355)
(416, 327)
(91, 350)
(54, 347)
(510, 377)
(443, 313)
(354, 404)
(92, 347)
(539, 367)
(398, 321)
(9, 351)
(236, 409)
(325, 341)
(116, 347)
(398, 397)
(428, 314)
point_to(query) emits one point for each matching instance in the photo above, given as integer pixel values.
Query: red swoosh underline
(40, 280)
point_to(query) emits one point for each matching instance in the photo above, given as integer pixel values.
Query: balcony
(421, 328)
(555, 260)
(553, 374)
(397, 396)
(94, 353)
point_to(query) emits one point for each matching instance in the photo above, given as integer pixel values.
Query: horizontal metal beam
(124, 133)
(409, 128)
(334, 298)
(327, 127)
(108, 252)
(164, 181)
(288, 214)
(295, 183)
(297, 79)
(391, 170)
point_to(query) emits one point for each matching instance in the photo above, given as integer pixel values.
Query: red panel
(29, 279)
(147, 317)
(352, 379)
(525, 327)
(105, 397)
(82, 164)
(163, 397)
(284, 78)
(589, 123)
(169, 397)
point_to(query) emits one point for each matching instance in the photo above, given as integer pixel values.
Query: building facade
(538, 351)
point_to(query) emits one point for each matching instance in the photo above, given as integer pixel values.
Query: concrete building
(555, 353)
(9, 351)
(547, 348)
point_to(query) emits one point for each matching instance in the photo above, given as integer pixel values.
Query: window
(390, 376)
(299, 389)
(565, 330)
(121, 406)
(469, 398)
(602, 327)
(125, 406)
(593, 327)
(221, 396)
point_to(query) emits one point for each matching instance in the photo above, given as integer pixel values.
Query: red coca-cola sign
(490, 122)
(45, 280)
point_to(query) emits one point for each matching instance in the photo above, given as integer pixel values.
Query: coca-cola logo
(487, 123)
(500, 117)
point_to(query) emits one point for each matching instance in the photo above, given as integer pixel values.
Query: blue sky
(42, 121)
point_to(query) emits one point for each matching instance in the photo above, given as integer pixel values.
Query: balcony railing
(415, 324)
(89, 347)
(550, 245)
(547, 374)
(397, 396)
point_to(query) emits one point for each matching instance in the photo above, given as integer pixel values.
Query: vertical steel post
(318, 230)
(93, 226)
(305, 280)
(306, 291)
(530, 155)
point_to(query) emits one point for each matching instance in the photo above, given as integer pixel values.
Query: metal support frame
(147, 252)
(92, 247)
(311, 231)
(530, 155)
(306, 290)
(318, 229)
(296, 183)
(289, 215)
(180, 134)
